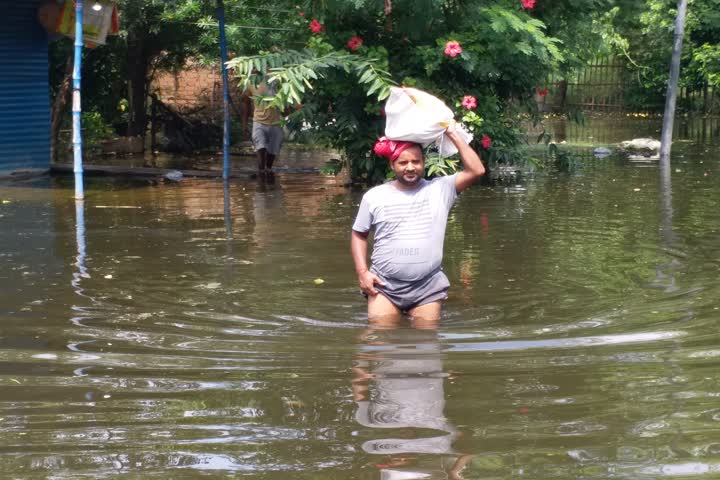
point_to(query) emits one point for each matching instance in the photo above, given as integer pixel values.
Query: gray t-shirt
(409, 227)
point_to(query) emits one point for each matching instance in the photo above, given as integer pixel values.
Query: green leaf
(365, 77)
(524, 47)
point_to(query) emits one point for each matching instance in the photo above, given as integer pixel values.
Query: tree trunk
(137, 62)
(59, 108)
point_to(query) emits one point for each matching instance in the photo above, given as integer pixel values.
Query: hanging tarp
(100, 19)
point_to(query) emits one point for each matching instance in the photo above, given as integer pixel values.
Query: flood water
(175, 330)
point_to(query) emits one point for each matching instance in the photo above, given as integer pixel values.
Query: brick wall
(197, 89)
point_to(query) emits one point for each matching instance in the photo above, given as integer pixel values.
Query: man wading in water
(409, 216)
(267, 132)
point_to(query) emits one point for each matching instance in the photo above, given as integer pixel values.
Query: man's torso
(263, 114)
(410, 228)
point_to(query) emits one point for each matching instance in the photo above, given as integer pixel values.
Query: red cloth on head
(391, 149)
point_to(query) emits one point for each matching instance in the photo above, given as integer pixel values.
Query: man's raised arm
(472, 165)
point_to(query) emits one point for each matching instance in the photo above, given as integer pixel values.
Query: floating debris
(641, 149)
(174, 175)
(602, 152)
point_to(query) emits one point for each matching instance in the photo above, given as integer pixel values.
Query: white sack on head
(416, 116)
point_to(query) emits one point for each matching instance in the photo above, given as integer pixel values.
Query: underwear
(407, 295)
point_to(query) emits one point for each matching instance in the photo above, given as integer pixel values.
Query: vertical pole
(228, 233)
(227, 210)
(76, 106)
(81, 271)
(226, 92)
(671, 96)
(153, 124)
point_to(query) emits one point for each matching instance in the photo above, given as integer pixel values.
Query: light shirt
(409, 226)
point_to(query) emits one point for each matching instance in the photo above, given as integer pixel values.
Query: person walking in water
(408, 217)
(267, 132)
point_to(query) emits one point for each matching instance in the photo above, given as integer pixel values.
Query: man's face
(409, 167)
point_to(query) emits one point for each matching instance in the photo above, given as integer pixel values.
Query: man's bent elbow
(476, 171)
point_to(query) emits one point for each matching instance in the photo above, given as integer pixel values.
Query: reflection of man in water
(399, 384)
(268, 211)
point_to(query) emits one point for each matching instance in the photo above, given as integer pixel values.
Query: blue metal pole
(76, 106)
(226, 90)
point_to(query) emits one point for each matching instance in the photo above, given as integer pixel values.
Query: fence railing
(602, 85)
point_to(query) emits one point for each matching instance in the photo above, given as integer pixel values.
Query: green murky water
(180, 334)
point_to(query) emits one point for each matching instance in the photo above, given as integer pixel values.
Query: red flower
(469, 102)
(355, 43)
(486, 142)
(316, 26)
(301, 14)
(528, 4)
(542, 92)
(453, 48)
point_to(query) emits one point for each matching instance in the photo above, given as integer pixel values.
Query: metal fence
(602, 85)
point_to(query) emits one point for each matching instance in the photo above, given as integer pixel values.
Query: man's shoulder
(378, 190)
(444, 182)
(444, 179)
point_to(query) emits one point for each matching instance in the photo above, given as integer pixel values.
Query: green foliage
(435, 165)
(154, 35)
(95, 129)
(643, 31)
(331, 167)
(506, 54)
(296, 71)
(325, 81)
(251, 26)
(706, 58)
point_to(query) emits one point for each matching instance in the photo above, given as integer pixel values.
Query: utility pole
(226, 91)
(76, 104)
(671, 96)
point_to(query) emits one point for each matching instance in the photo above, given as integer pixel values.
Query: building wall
(197, 89)
(24, 89)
